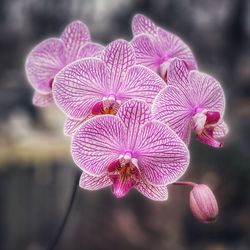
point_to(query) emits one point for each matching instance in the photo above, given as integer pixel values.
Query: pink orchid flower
(192, 101)
(51, 55)
(92, 86)
(156, 47)
(129, 150)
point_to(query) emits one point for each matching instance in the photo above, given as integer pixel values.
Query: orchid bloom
(156, 47)
(51, 55)
(129, 150)
(192, 101)
(92, 86)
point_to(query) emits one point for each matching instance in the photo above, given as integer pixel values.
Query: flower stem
(67, 213)
(185, 183)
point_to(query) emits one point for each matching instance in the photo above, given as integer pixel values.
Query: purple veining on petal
(156, 157)
(44, 62)
(42, 100)
(156, 47)
(74, 36)
(193, 101)
(93, 86)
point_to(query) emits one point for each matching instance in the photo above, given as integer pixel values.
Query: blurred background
(36, 170)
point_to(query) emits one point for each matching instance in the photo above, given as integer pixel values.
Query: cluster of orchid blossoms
(130, 108)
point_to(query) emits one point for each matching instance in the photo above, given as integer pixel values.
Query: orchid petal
(74, 36)
(42, 100)
(206, 92)
(98, 143)
(93, 183)
(146, 52)
(141, 24)
(220, 130)
(156, 193)
(141, 83)
(79, 86)
(43, 63)
(119, 57)
(208, 138)
(178, 74)
(172, 46)
(134, 114)
(162, 155)
(71, 125)
(171, 107)
(90, 50)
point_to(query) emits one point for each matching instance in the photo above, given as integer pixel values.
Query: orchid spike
(156, 47)
(192, 101)
(129, 150)
(91, 86)
(51, 55)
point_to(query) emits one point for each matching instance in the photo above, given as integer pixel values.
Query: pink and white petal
(141, 83)
(220, 130)
(162, 156)
(172, 46)
(178, 74)
(93, 183)
(79, 86)
(146, 52)
(142, 24)
(43, 63)
(90, 50)
(206, 92)
(172, 107)
(74, 36)
(42, 100)
(134, 114)
(98, 143)
(119, 56)
(208, 138)
(71, 125)
(156, 193)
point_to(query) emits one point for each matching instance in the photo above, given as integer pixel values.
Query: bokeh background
(37, 173)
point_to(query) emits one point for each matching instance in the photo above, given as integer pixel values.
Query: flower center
(108, 105)
(204, 120)
(124, 173)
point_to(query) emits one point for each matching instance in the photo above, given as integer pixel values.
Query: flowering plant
(130, 108)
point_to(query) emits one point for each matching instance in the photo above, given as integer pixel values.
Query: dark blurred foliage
(37, 173)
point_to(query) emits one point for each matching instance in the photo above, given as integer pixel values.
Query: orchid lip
(124, 174)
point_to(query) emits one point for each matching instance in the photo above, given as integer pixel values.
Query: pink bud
(203, 203)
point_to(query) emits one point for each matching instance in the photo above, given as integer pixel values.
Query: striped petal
(119, 57)
(93, 183)
(178, 74)
(71, 125)
(79, 86)
(206, 92)
(155, 193)
(98, 143)
(172, 107)
(146, 51)
(90, 50)
(143, 25)
(162, 156)
(141, 83)
(43, 63)
(42, 100)
(74, 36)
(220, 130)
(172, 46)
(134, 114)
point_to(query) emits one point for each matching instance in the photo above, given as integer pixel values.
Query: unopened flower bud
(203, 203)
